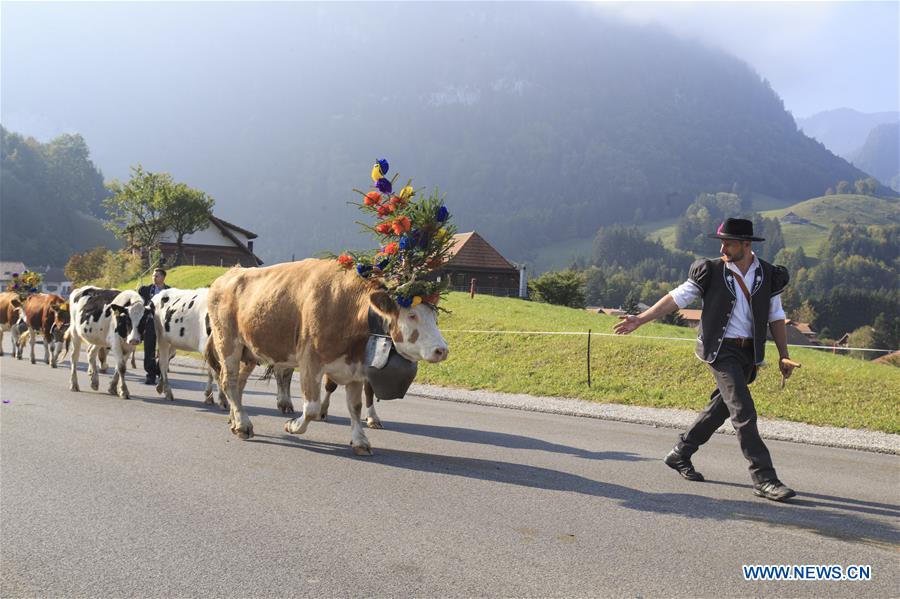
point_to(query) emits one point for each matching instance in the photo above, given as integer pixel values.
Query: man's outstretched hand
(627, 324)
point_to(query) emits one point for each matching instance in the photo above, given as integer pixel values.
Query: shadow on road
(498, 439)
(832, 520)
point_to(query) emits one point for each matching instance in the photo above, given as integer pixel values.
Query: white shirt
(741, 323)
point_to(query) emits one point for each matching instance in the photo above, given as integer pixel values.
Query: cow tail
(267, 375)
(212, 356)
(67, 339)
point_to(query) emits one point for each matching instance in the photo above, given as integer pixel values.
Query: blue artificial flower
(423, 241)
(404, 302)
(405, 242)
(383, 185)
(442, 214)
(363, 269)
(381, 265)
(383, 163)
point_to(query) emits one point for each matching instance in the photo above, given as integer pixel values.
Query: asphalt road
(105, 497)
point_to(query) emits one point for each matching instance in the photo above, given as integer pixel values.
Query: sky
(817, 55)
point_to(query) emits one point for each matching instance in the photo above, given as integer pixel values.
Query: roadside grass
(828, 390)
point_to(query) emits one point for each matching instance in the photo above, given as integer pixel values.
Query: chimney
(523, 282)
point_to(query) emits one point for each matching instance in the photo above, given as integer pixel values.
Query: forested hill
(536, 134)
(541, 123)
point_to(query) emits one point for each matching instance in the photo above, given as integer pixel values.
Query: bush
(119, 266)
(563, 288)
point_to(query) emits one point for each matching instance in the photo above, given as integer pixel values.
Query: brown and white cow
(312, 316)
(47, 314)
(12, 320)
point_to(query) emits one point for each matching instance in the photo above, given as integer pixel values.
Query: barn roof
(470, 250)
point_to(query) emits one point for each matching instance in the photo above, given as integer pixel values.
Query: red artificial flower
(372, 198)
(397, 201)
(432, 299)
(384, 228)
(434, 262)
(402, 225)
(386, 209)
(390, 249)
(345, 261)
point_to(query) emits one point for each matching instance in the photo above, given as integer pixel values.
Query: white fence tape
(691, 339)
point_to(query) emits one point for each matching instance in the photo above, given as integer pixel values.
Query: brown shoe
(683, 466)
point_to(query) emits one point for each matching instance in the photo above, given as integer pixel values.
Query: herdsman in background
(741, 294)
(151, 367)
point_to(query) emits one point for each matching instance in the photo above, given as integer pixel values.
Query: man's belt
(739, 341)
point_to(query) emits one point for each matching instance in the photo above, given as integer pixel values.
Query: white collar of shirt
(753, 266)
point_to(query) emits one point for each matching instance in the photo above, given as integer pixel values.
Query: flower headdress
(415, 238)
(29, 282)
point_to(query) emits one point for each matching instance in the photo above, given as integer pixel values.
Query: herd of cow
(310, 316)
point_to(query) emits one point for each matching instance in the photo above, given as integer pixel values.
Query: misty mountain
(880, 155)
(541, 121)
(844, 130)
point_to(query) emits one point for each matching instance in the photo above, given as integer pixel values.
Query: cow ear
(384, 304)
(118, 308)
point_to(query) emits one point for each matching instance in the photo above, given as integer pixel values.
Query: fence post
(472, 289)
(589, 358)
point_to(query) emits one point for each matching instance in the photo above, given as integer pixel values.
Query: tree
(85, 267)
(564, 288)
(186, 211)
(862, 337)
(595, 286)
(137, 208)
(886, 332)
(805, 313)
(630, 305)
(843, 187)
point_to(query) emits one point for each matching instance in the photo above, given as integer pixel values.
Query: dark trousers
(151, 366)
(733, 370)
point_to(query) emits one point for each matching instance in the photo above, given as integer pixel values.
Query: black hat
(736, 228)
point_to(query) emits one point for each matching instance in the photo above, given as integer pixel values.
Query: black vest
(719, 291)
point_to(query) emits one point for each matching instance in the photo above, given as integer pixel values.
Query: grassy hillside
(183, 277)
(828, 390)
(826, 211)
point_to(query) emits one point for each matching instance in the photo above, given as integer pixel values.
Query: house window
(250, 245)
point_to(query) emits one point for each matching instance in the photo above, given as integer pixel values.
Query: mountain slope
(880, 155)
(844, 130)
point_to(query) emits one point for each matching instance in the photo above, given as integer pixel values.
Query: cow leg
(103, 353)
(330, 387)
(372, 419)
(311, 385)
(55, 351)
(48, 343)
(231, 374)
(31, 339)
(283, 379)
(2, 331)
(358, 439)
(117, 386)
(73, 361)
(208, 392)
(163, 347)
(92, 367)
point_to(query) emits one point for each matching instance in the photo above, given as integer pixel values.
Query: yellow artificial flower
(406, 193)
(417, 300)
(376, 172)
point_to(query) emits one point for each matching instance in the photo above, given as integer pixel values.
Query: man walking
(741, 295)
(151, 367)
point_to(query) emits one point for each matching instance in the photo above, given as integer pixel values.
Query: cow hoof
(53, 366)
(286, 408)
(208, 400)
(243, 433)
(32, 361)
(74, 388)
(125, 395)
(112, 390)
(95, 385)
(362, 451)
(374, 423)
(159, 387)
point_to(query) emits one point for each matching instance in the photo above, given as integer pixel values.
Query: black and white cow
(181, 322)
(106, 318)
